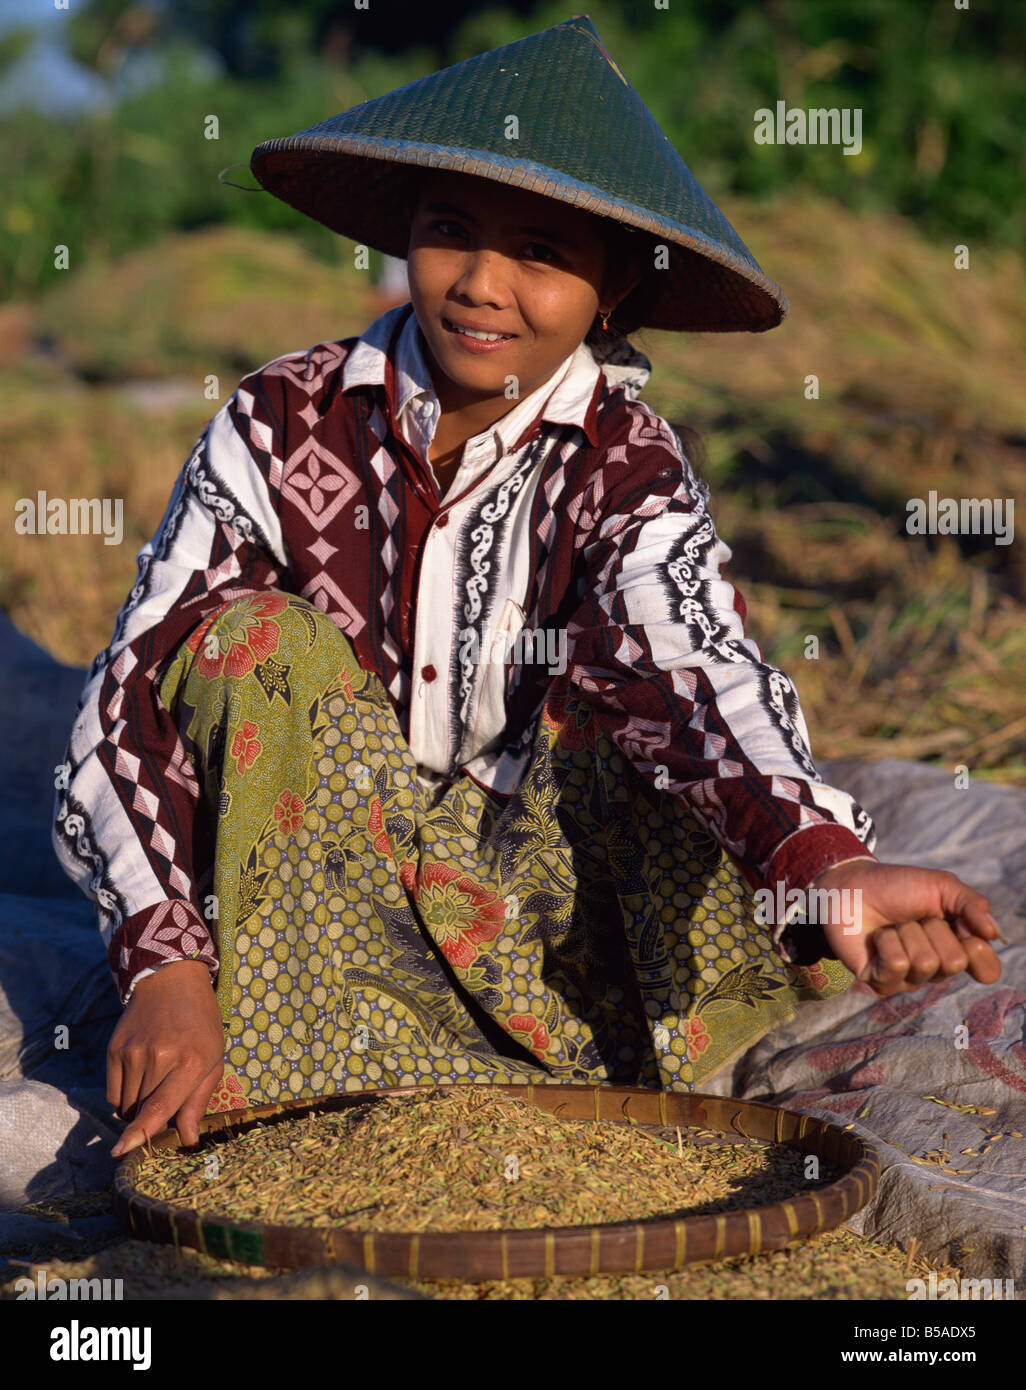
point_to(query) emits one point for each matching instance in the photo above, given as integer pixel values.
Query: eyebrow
(547, 233)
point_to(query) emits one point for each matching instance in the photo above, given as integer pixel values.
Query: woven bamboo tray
(617, 1248)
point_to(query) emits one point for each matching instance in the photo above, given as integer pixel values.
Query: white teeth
(484, 337)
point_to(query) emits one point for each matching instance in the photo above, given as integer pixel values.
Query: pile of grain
(467, 1159)
(834, 1265)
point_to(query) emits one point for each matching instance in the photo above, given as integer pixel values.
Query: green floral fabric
(584, 929)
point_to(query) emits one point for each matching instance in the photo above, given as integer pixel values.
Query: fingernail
(989, 919)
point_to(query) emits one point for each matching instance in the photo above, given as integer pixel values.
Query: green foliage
(940, 91)
(14, 44)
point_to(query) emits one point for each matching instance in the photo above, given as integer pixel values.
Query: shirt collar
(573, 400)
(412, 376)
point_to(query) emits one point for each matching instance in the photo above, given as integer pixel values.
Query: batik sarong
(373, 933)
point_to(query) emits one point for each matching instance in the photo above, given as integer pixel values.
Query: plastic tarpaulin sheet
(857, 1059)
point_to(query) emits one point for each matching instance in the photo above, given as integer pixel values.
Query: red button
(442, 520)
(428, 672)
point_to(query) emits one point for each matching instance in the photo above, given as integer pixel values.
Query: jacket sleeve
(130, 823)
(657, 649)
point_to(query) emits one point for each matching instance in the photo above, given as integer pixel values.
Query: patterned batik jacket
(577, 520)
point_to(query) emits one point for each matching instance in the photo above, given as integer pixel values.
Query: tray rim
(651, 1244)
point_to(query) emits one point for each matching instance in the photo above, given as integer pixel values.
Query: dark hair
(414, 177)
(694, 449)
(631, 250)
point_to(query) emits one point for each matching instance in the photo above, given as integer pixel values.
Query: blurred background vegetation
(941, 92)
(174, 275)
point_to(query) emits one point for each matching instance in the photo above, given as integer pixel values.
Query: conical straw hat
(584, 136)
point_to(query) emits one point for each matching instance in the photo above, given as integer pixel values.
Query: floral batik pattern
(584, 928)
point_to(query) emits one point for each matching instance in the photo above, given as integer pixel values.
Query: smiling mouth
(476, 336)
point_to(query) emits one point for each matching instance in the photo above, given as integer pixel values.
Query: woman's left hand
(908, 926)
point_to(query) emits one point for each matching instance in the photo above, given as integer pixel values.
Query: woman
(430, 734)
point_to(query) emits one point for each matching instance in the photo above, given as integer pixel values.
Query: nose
(483, 277)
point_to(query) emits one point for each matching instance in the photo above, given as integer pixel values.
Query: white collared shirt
(418, 412)
(477, 557)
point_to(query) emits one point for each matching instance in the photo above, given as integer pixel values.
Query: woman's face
(505, 260)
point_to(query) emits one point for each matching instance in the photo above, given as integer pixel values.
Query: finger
(195, 1106)
(984, 964)
(891, 963)
(973, 908)
(133, 1066)
(161, 1062)
(115, 1075)
(980, 924)
(950, 951)
(157, 1111)
(923, 960)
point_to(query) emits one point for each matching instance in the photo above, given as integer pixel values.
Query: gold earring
(605, 319)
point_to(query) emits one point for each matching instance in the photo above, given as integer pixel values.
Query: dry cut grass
(921, 640)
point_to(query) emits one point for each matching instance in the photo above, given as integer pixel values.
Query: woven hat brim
(357, 186)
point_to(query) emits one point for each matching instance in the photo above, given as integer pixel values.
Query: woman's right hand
(166, 1055)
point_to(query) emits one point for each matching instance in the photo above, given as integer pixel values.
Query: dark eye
(545, 252)
(442, 224)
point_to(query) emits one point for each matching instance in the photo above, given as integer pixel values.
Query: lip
(472, 344)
